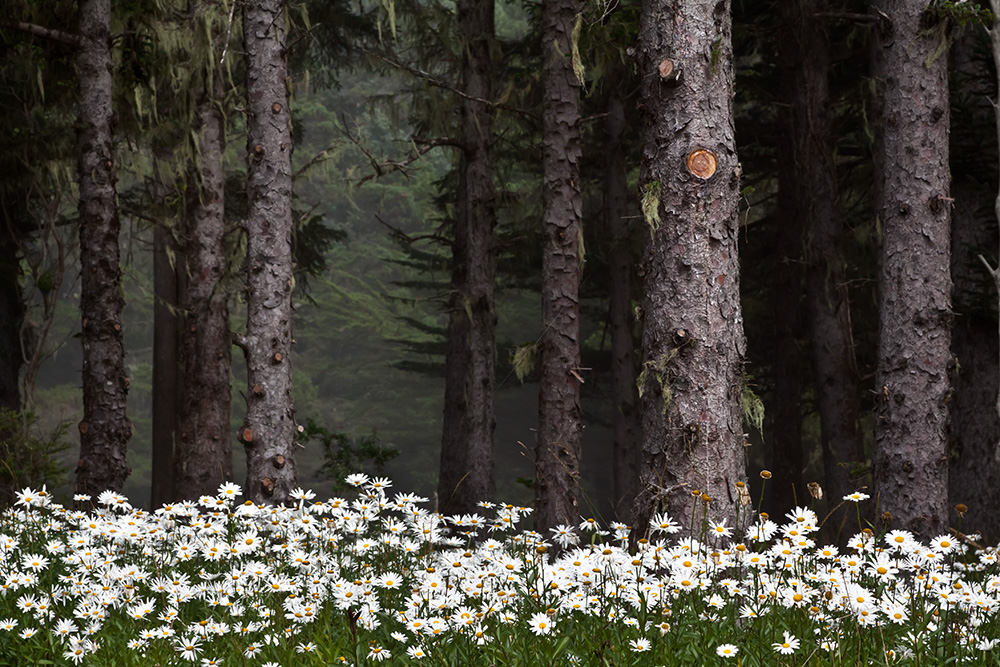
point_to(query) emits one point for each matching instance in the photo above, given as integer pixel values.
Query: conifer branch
(40, 31)
(438, 83)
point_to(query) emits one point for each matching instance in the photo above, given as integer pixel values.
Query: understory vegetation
(379, 578)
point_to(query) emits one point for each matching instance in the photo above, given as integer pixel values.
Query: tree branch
(40, 31)
(438, 83)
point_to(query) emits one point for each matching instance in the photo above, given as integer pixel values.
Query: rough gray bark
(104, 431)
(268, 431)
(693, 343)
(836, 380)
(557, 453)
(203, 455)
(625, 419)
(911, 461)
(466, 473)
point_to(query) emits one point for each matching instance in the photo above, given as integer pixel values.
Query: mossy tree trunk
(693, 343)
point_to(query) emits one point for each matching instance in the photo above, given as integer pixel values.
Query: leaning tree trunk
(693, 343)
(625, 419)
(105, 431)
(268, 431)
(557, 453)
(469, 416)
(203, 455)
(814, 175)
(911, 434)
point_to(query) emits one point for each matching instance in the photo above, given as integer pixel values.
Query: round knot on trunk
(702, 163)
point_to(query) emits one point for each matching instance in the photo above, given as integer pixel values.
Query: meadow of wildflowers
(379, 579)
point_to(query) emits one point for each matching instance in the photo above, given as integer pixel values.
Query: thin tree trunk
(268, 431)
(974, 472)
(625, 419)
(693, 343)
(165, 363)
(557, 454)
(105, 431)
(469, 415)
(203, 456)
(11, 317)
(817, 205)
(783, 437)
(911, 459)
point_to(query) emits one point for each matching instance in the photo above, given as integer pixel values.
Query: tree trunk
(974, 473)
(11, 317)
(203, 457)
(268, 431)
(625, 419)
(693, 343)
(105, 431)
(469, 416)
(911, 462)
(817, 206)
(783, 434)
(165, 364)
(557, 453)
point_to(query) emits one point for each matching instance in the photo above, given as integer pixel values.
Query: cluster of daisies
(379, 578)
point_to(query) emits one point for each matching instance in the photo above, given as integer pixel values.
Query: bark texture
(268, 431)
(557, 454)
(105, 431)
(203, 456)
(469, 416)
(625, 420)
(911, 462)
(693, 343)
(818, 213)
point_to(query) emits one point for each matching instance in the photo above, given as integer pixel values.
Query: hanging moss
(651, 205)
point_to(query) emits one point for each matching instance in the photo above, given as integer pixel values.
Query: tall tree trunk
(268, 431)
(818, 209)
(105, 431)
(557, 453)
(693, 343)
(974, 473)
(469, 416)
(203, 457)
(625, 419)
(165, 364)
(911, 461)
(783, 434)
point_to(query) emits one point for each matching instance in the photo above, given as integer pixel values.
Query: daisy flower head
(803, 515)
(719, 529)
(899, 539)
(230, 490)
(856, 497)
(640, 645)
(943, 544)
(376, 652)
(788, 646)
(416, 652)
(726, 650)
(357, 479)
(662, 523)
(540, 623)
